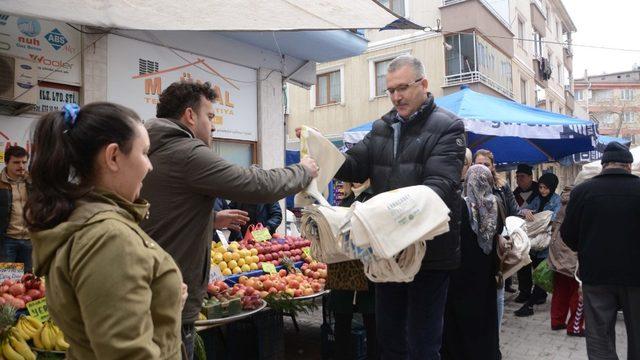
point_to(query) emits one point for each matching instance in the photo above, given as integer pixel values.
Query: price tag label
(223, 239)
(261, 235)
(38, 309)
(307, 251)
(12, 271)
(215, 274)
(269, 268)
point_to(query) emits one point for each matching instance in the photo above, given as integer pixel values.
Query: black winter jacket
(430, 152)
(602, 223)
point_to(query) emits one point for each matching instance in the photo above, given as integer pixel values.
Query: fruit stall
(25, 328)
(253, 284)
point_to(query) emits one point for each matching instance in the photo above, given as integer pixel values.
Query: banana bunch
(49, 337)
(14, 347)
(27, 327)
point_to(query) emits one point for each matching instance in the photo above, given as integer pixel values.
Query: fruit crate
(215, 309)
(258, 337)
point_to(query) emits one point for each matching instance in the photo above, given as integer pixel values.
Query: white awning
(218, 15)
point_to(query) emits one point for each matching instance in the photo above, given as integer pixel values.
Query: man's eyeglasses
(401, 88)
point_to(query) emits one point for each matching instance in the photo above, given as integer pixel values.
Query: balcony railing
(474, 77)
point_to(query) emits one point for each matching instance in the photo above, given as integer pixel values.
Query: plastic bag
(543, 276)
(248, 236)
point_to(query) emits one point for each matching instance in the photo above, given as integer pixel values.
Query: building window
(559, 31)
(602, 95)
(537, 44)
(560, 74)
(241, 153)
(579, 95)
(550, 105)
(605, 118)
(549, 18)
(490, 65)
(521, 33)
(541, 95)
(381, 76)
(627, 94)
(328, 88)
(523, 91)
(460, 59)
(627, 117)
(397, 6)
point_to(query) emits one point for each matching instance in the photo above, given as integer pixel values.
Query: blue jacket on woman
(553, 205)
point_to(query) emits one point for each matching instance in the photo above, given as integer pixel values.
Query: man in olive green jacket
(187, 176)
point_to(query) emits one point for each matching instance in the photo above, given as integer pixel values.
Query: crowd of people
(126, 277)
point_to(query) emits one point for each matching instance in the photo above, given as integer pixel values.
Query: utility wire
(541, 41)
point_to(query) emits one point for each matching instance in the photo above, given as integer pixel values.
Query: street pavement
(529, 338)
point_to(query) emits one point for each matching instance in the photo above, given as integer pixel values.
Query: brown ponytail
(64, 155)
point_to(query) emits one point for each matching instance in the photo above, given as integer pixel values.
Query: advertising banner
(138, 72)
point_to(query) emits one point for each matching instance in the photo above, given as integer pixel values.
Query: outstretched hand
(231, 219)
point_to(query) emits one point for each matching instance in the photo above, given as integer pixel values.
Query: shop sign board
(138, 72)
(54, 47)
(54, 99)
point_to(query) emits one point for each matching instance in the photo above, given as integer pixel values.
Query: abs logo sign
(56, 39)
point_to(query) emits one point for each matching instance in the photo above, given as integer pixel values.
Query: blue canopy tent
(596, 154)
(514, 132)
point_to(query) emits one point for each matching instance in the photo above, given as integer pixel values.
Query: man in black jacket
(527, 189)
(602, 224)
(415, 143)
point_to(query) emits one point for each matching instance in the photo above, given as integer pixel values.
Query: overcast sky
(611, 23)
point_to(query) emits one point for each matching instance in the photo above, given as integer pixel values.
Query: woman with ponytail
(111, 289)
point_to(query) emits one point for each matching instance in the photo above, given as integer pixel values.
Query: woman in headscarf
(471, 315)
(548, 200)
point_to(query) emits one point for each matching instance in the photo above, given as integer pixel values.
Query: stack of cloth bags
(514, 252)
(539, 230)
(388, 233)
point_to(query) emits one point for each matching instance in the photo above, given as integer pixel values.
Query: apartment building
(612, 101)
(515, 49)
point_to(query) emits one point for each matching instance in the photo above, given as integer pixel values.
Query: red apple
(17, 289)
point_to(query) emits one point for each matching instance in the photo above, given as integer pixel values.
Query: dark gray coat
(430, 151)
(187, 176)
